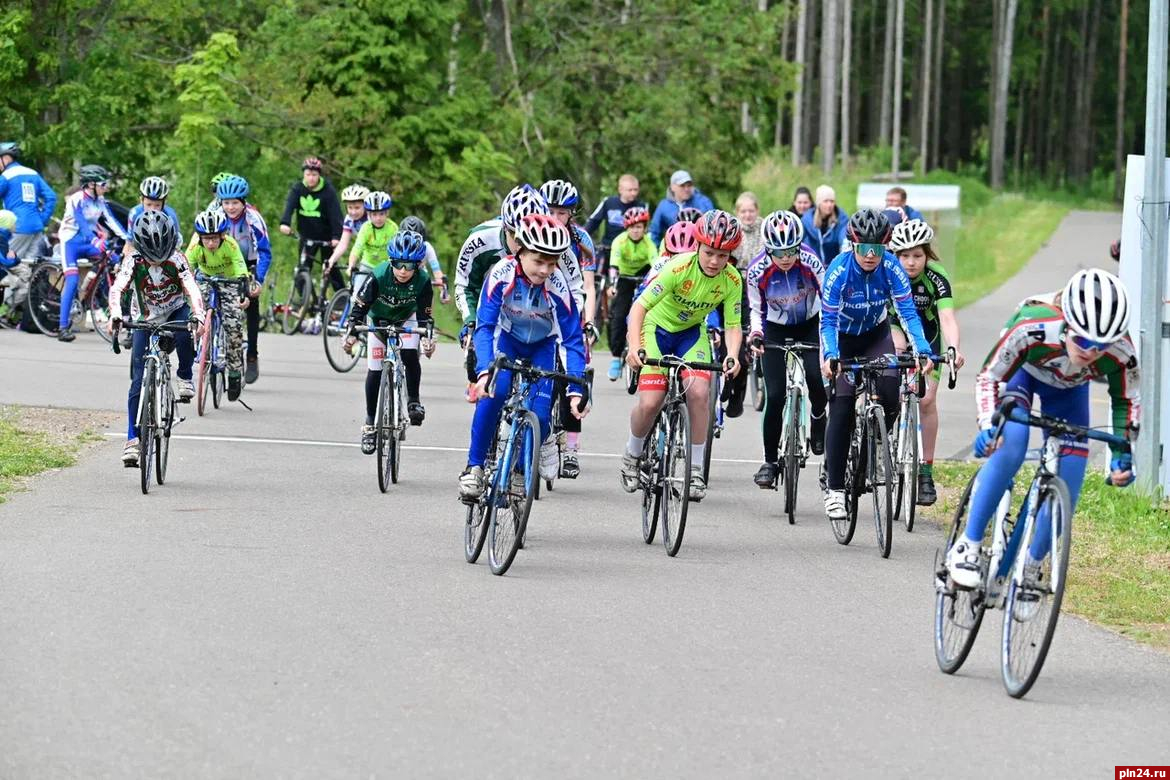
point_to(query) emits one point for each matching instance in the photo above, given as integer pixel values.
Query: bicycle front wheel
(384, 433)
(203, 374)
(300, 297)
(756, 384)
(44, 296)
(475, 528)
(676, 483)
(517, 472)
(652, 481)
(908, 464)
(880, 476)
(162, 448)
(1033, 599)
(958, 613)
(333, 326)
(146, 427)
(792, 453)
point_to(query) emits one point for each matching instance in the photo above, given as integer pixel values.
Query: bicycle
(303, 297)
(869, 464)
(1031, 606)
(211, 351)
(334, 324)
(47, 282)
(511, 471)
(794, 432)
(908, 445)
(665, 471)
(156, 403)
(390, 417)
(270, 309)
(557, 425)
(714, 406)
(756, 383)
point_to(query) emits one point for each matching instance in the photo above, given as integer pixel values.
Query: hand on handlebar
(634, 358)
(1121, 471)
(829, 368)
(591, 334)
(428, 346)
(730, 366)
(479, 390)
(286, 230)
(578, 407)
(756, 344)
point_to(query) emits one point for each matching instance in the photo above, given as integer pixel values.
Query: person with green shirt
(396, 292)
(630, 256)
(372, 239)
(313, 202)
(212, 253)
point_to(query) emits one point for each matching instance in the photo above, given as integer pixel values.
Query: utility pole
(1156, 225)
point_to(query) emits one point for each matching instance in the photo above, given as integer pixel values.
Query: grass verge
(1119, 575)
(26, 451)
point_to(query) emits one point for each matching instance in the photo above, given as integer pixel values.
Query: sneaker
(734, 405)
(766, 476)
(835, 504)
(252, 370)
(417, 412)
(550, 459)
(471, 483)
(235, 385)
(615, 369)
(927, 495)
(570, 467)
(963, 563)
(698, 484)
(369, 440)
(66, 335)
(130, 454)
(185, 389)
(629, 473)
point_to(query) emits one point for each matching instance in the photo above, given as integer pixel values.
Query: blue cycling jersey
(138, 211)
(855, 302)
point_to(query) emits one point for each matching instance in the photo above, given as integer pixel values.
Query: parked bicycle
(304, 300)
(47, 281)
(908, 444)
(271, 310)
(795, 446)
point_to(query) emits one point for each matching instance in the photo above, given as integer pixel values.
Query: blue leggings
(542, 355)
(1070, 404)
(183, 346)
(74, 249)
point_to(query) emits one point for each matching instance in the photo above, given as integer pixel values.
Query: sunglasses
(1089, 345)
(870, 250)
(403, 265)
(791, 252)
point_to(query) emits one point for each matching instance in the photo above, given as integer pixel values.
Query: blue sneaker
(615, 369)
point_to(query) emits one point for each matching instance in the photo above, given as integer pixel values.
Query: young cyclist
(313, 203)
(247, 227)
(213, 253)
(353, 197)
(525, 311)
(931, 288)
(163, 290)
(669, 318)
(1052, 347)
(432, 259)
(859, 284)
(372, 238)
(686, 215)
(153, 191)
(86, 213)
(784, 301)
(397, 292)
(630, 256)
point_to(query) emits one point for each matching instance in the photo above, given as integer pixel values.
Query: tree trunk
(924, 132)
(1119, 119)
(936, 82)
(778, 134)
(887, 76)
(830, 30)
(811, 114)
(1002, 53)
(453, 59)
(896, 101)
(846, 64)
(798, 97)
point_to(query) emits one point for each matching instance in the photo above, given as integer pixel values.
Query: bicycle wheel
(162, 447)
(712, 412)
(906, 505)
(475, 530)
(844, 528)
(880, 477)
(99, 306)
(269, 308)
(333, 326)
(958, 613)
(384, 432)
(44, 296)
(1031, 609)
(676, 483)
(517, 473)
(398, 433)
(146, 431)
(756, 383)
(792, 451)
(218, 363)
(651, 478)
(203, 374)
(300, 298)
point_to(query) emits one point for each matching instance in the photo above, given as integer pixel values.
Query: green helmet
(221, 176)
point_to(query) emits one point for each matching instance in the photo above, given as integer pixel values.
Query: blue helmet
(233, 187)
(407, 245)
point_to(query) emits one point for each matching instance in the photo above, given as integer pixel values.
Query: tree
(1119, 119)
(896, 98)
(846, 66)
(1003, 26)
(798, 97)
(830, 35)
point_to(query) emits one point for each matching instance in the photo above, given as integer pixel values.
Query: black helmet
(10, 148)
(92, 174)
(415, 224)
(868, 226)
(155, 236)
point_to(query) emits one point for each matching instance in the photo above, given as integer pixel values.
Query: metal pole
(1156, 221)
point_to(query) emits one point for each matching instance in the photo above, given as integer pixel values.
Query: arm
(111, 222)
(830, 307)
(121, 282)
(190, 288)
(756, 312)
(434, 266)
(424, 306)
(239, 265)
(359, 245)
(290, 203)
(903, 300)
(463, 301)
(263, 249)
(48, 200)
(363, 299)
(333, 213)
(1123, 393)
(486, 315)
(596, 218)
(339, 250)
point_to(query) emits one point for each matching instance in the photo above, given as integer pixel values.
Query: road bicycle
(511, 470)
(1030, 600)
(156, 403)
(908, 444)
(557, 423)
(664, 472)
(211, 358)
(334, 325)
(795, 446)
(303, 298)
(47, 282)
(869, 464)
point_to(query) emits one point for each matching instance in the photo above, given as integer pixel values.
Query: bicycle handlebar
(394, 331)
(1009, 410)
(672, 361)
(502, 363)
(788, 346)
(153, 327)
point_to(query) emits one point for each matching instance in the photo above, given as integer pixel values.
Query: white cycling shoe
(629, 472)
(835, 504)
(185, 389)
(963, 563)
(550, 461)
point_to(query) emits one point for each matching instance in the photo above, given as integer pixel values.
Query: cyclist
(416, 224)
(353, 197)
(396, 292)
(84, 227)
(246, 225)
(855, 325)
(931, 289)
(526, 311)
(1051, 348)
(213, 253)
(162, 290)
(686, 215)
(630, 257)
(373, 237)
(318, 216)
(784, 302)
(669, 319)
(612, 211)
(25, 194)
(153, 191)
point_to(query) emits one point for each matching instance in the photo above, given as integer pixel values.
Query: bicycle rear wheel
(880, 476)
(792, 450)
(1031, 609)
(651, 477)
(676, 483)
(908, 464)
(844, 528)
(475, 528)
(712, 411)
(300, 298)
(99, 306)
(44, 296)
(162, 448)
(384, 429)
(756, 383)
(146, 428)
(333, 326)
(958, 613)
(517, 473)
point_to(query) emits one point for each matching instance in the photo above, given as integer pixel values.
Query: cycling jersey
(385, 299)
(931, 291)
(784, 297)
(1033, 340)
(583, 249)
(681, 296)
(226, 261)
(371, 243)
(855, 302)
(432, 261)
(157, 289)
(82, 214)
(632, 258)
(611, 211)
(25, 193)
(139, 210)
(655, 269)
(351, 225)
(251, 233)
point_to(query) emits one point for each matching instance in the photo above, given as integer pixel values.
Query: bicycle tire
(908, 465)
(218, 377)
(266, 301)
(300, 298)
(651, 478)
(162, 448)
(382, 430)
(146, 428)
(676, 488)
(880, 476)
(43, 303)
(844, 528)
(521, 459)
(712, 410)
(1018, 678)
(958, 613)
(333, 325)
(203, 374)
(791, 455)
(475, 530)
(398, 415)
(99, 306)
(756, 383)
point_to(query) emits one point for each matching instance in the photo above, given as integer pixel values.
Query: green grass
(23, 454)
(1119, 575)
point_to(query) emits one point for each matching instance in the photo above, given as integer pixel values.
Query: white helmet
(1095, 305)
(543, 233)
(519, 203)
(909, 234)
(355, 192)
(782, 230)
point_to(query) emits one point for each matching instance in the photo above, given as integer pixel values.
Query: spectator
(611, 211)
(824, 226)
(318, 216)
(747, 211)
(896, 198)
(801, 201)
(683, 192)
(25, 193)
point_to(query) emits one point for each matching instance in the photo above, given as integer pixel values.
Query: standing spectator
(25, 193)
(683, 193)
(896, 199)
(801, 201)
(747, 211)
(612, 212)
(825, 225)
(318, 214)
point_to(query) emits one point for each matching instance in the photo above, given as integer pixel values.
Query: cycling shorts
(690, 344)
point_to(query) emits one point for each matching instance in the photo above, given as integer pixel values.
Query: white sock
(635, 446)
(697, 455)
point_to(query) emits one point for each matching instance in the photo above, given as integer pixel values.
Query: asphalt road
(268, 613)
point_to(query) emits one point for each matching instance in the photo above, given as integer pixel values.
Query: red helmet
(718, 230)
(311, 164)
(635, 215)
(680, 237)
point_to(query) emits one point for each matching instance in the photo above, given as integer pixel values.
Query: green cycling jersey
(630, 257)
(371, 242)
(932, 293)
(226, 261)
(681, 295)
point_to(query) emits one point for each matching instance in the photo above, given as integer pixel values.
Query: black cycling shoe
(766, 476)
(417, 412)
(570, 466)
(252, 370)
(734, 405)
(66, 335)
(234, 385)
(927, 494)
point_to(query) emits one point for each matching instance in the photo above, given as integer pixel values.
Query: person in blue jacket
(896, 199)
(154, 191)
(683, 194)
(25, 194)
(825, 223)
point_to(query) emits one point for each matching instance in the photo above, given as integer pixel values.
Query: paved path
(268, 613)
